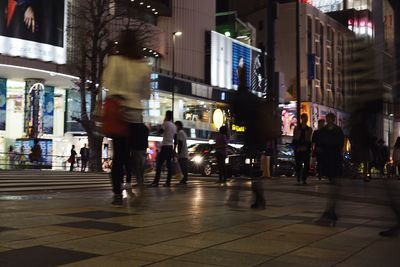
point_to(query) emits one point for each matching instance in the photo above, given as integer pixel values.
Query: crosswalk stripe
(24, 181)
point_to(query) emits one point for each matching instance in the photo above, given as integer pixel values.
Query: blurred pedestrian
(12, 156)
(84, 152)
(36, 152)
(317, 150)
(168, 131)
(381, 157)
(302, 149)
(360, 139)
(396, 157)
(139, 144)
(331, 144)
(22, 156)
(72, 158)
(182, 151)
(221, 144)
(127, 77)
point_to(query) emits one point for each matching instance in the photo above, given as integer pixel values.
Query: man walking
(168, 130)
(84, 152)
(332, 142)
(182, 152)
(302, 149)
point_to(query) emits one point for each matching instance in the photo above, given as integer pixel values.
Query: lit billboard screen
(326, 5)
(34, 29)
(234, 63)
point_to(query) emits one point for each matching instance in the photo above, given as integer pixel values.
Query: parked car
(285, 165)
(202, 160)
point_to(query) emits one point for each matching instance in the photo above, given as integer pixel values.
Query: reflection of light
(226, 160)
(197, 159)
(198, 197)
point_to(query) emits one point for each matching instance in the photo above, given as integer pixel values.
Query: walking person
(302, 149)
(84, 152)
(317, 150)
(36, 152)
(332, 142)
(22, 157)
(139, 145)
(221, 144)
(396, 157)
(381, 157)
(127, 77)
(168, 131)
(182, 151)
(72, 158)
(12, 156)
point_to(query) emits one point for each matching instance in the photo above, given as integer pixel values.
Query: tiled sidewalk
(197, 226)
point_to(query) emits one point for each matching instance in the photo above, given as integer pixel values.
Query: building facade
(38, 92)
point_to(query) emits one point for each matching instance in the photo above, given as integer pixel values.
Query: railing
(18, 161)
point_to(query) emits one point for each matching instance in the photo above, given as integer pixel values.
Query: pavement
(201, 224)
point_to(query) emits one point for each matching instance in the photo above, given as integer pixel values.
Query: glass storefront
(195, 114)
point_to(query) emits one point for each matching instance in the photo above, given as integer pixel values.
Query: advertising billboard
(34, 29)
(326, 5)
(235, 64)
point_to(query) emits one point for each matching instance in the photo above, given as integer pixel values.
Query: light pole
(174, 35)
(391, 115)
(298, 74)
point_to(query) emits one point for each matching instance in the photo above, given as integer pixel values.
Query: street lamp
(298, 73)
(174, 35)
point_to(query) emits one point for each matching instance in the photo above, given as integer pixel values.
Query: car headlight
(226, 160)
(197, 159)
(247, 161)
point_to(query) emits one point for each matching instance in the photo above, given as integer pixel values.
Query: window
(309, 34)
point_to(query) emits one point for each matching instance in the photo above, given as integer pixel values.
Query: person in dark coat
(302, 149)
(332, 142)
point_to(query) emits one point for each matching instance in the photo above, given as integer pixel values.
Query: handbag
(113, 122)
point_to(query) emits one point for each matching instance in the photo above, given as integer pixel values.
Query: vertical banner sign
(48, 110)
(3, 104)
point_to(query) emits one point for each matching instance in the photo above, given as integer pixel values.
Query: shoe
(183, 182)
(153, 185)
(117, 200)
(394, 231)
(167, 185)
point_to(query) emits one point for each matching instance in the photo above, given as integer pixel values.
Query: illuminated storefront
(314, 111)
